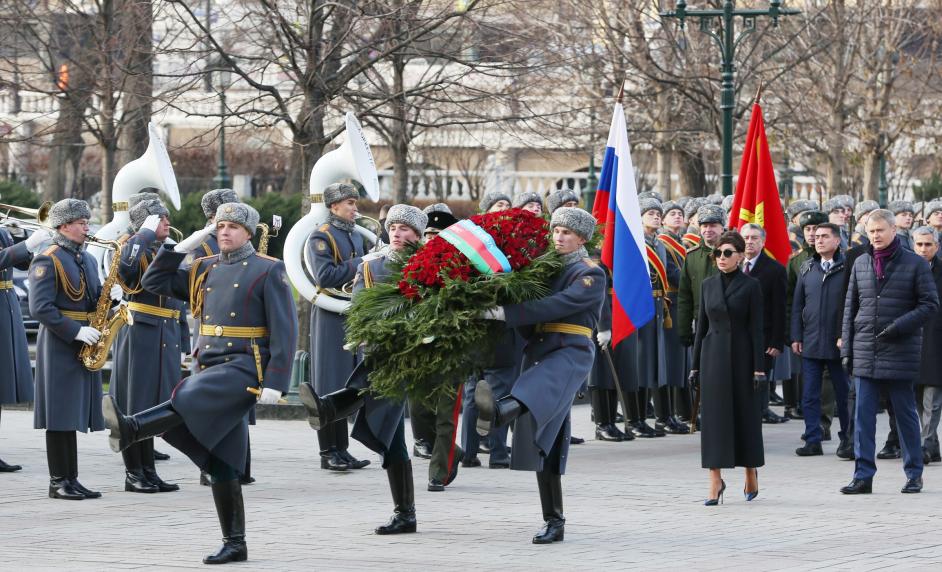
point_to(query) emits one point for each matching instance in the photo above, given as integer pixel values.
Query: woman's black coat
(727, 351)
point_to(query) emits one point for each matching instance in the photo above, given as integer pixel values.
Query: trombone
(41, 215)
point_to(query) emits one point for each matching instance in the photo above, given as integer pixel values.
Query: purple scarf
(881, 256)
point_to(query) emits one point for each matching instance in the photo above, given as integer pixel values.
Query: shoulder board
(590, 263)
(324, 227)
(124, 238)
(197, 261)
(266, 257)
(697, 246)
(51, 249)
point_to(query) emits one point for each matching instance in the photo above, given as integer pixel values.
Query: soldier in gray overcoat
(16, 375)
(558, 357)
(379, 423)
(336, 250)
(247, 339)
(64, 292)
(147, 358)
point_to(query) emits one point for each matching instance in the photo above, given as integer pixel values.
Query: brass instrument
(267, 233)
(93, 357)
(176, 234)
(41, 215)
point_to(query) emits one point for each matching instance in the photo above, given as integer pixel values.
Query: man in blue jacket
(816, 327)
(890, 296)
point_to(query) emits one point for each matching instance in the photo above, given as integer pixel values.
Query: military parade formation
(201, 329)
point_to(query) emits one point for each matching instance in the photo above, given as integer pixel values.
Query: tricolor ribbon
(478, 246)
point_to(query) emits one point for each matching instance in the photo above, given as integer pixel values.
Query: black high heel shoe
(719, 496)
(752, 495)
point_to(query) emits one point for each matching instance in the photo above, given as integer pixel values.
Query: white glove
(194, 240)
(38, 240)
(371, 256)
(604, 337)
(87, 335)
(151, 222)
(269, 396)
(494, 314)
(117, 294)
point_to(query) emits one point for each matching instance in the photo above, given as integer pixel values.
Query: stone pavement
(636, 505)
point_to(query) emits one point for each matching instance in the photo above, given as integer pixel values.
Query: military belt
(78, 316)
(154, 310)
(6, 285)
(233, 331)
(560, 328)
(657, 293)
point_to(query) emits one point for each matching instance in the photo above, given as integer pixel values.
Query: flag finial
(621, 92)
(759, 91)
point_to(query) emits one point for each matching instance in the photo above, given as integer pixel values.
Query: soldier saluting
(248, 333)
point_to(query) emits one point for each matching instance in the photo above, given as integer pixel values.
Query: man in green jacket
(698, 266)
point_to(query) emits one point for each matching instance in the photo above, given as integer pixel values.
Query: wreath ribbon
(478, 246)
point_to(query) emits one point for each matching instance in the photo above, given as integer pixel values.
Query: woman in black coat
(729, 348)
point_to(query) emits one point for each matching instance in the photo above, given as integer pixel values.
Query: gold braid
(73, 293)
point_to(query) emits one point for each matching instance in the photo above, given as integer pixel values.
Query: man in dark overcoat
(890, 296)
(558, 356)
(244, 353)
(64, 293)
(335, 249)
(929, 382)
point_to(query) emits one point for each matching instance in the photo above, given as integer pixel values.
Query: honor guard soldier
(336, 250)
(905, 213)
(379, 422)
(698, 266)
(147, 361)
(247, 337)
(677, 362)
(561, 198)
(933, 212)
(203, 243)
(16, 374)
(862, 213)
(692, 236)
(558, 356)
(530, 202)
(652, 348)
(64, 293)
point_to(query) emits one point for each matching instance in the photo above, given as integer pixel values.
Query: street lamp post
(720, 25)
(221, 76)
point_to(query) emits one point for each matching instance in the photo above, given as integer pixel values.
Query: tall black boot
(146, 448)
(134, 479)
(322, 411)
(638, 404)
(330, 457)
(247, 478)
(6, 468)
(342, 443)
(682, 404)
(227, 495)
(126, 430)
(493, 413)
(605, 430)
(402, 488)
(58, 457)
(73, 469)
(551, 499)
(666, 421)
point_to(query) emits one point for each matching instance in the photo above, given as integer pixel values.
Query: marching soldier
(147, 357)
(242, 299)
(16, 375)
(559, 354)
(64, 293)
(379, 423)
(652, 350)
(336, 250)
(677, 362)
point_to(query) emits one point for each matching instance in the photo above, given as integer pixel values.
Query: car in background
(21, 288)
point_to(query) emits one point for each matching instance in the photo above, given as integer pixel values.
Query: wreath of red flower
(520, 235)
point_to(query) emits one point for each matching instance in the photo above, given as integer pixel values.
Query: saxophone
(94, 356)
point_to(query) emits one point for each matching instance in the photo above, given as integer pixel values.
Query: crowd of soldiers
(238, 298)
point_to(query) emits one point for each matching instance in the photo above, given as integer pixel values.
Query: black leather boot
(73, 469)
(605, 430)
(57, 455)
(126, 429)
(322, 411)
(205, 479)
(146, 448)
(492, 412)
(330, 457)
(227, 496)
(7, 468)
(551, 499)
(352, 461)
(158, 456)
(134, 479)
(247, 478)
(402, 488)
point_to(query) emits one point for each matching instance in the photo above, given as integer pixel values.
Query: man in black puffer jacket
(890, 296)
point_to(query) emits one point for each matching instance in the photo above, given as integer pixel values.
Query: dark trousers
(470, 440)
(445, 452)
(422, 420)
(904, 403)
(813, 370)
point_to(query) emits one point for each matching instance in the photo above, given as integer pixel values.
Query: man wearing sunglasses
(771, 276)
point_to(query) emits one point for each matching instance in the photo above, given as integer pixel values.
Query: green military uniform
(698, 266)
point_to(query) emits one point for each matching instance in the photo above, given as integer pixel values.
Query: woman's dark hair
(732, 238)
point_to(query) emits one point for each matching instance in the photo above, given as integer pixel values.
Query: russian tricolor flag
(623, 252)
